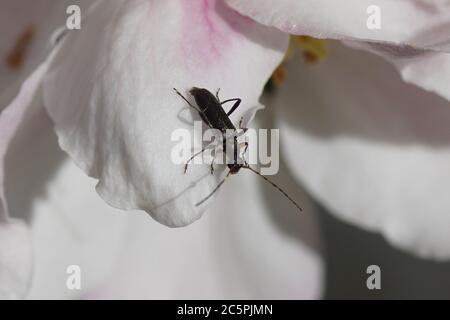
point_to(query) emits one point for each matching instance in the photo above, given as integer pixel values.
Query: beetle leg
(240, 125)
(193, 157)
(242, 155)
(197, 154)
(235, 105)
(215, 189)
(212, 166)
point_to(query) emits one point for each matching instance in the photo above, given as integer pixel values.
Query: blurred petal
(22, 119)
(25, 43)
(427, 69)
(70, 225)
(113, 103)
(250, 245)
(14, 235)
(255, 245)
(15, 260)
(373, 149)
(421, 23)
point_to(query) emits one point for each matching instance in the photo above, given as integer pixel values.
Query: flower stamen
(279, 75)
(314, 50)
(16, 56)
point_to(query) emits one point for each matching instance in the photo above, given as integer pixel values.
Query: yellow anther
(279, 75)
(16, 55)
(314, 50)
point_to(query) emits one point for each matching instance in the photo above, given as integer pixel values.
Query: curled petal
(110, 94)
(250, 245)
(429, 70)
(420, 23)
(373, 149)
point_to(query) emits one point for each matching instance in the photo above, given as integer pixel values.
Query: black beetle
(209, 108)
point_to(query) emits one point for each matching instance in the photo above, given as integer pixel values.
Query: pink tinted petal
(421, 23)
(113, 103)
(373, 149)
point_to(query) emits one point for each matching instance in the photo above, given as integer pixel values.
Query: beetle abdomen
(216, 117)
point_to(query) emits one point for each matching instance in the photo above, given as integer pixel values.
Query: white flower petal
(427, 69)
(15, 260)
(110, 94)
(373, 149)
(12, 119)
(250, 245)
(422, 23)
(255, 245)
(70, 226)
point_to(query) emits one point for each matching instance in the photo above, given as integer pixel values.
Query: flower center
(313, 51)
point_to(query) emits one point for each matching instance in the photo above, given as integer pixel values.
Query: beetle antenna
(275, 186)
(215, 190)
(187, 101)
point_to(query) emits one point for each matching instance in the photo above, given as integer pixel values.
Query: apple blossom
(365, 135)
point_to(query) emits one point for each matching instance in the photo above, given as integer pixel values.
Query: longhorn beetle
(209, 107)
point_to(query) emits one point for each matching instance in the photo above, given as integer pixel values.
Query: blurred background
(348, 252)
